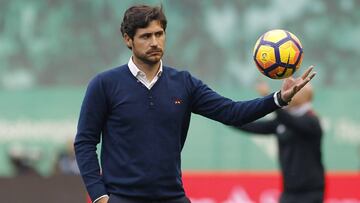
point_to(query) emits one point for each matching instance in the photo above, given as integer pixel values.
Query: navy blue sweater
(143, 131)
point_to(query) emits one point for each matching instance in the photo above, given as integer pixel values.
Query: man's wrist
(97, 200)
(278, 99)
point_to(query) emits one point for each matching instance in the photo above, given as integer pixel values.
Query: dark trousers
(303, 197)
(121, 199)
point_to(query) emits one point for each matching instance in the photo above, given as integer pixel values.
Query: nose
(153, 41)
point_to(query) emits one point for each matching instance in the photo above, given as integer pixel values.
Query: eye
(146, 36)
(159, 34)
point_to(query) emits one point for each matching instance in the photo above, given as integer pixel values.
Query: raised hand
(292, 85)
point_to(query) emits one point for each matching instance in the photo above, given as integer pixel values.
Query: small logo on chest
(177, 101)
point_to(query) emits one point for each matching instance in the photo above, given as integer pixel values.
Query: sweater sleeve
(91, 120)
(306, 125)
(208, 103)
(267, 127)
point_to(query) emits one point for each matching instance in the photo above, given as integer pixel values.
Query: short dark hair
(140, 16)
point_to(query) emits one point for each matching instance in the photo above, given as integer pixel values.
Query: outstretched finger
(306, 80)
(312, 75)
(307, 72)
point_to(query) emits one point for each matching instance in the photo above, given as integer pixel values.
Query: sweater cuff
(96, 192)
(97, 199)
(276, 99)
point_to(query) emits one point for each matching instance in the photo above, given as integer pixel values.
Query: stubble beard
(149, 60)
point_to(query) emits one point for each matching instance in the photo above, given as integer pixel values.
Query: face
(148, 43)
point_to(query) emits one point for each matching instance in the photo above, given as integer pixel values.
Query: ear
(128, 41)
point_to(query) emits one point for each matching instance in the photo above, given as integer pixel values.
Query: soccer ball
(278, 54)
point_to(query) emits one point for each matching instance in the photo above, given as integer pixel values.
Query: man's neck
(150, 70)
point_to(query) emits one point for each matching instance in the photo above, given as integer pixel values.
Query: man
(141, 111)
(299, 133)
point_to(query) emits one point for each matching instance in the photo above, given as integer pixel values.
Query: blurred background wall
(49, 50)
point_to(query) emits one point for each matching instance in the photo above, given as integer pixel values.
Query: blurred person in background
(299, 134)
(67, 164)
(141, 112)
(24, 159)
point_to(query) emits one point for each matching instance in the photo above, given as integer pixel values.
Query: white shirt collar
(136, 71)
(140, 75)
